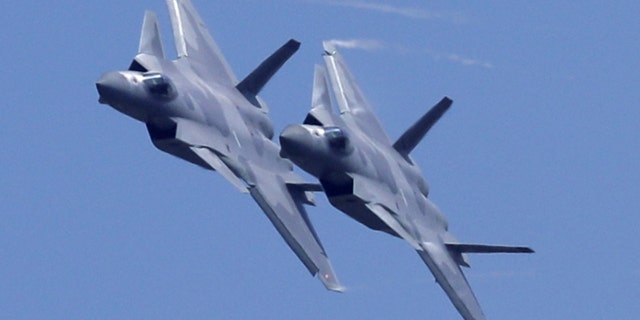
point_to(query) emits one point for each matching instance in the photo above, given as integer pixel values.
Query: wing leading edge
(443, 259)
(283, 205)
(280, 195)
(444, 268)
(449, 276)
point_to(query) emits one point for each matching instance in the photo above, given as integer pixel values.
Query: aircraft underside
(339, 191)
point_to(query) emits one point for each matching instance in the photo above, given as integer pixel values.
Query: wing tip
(293, 44)
(331, 282)
(339, 289)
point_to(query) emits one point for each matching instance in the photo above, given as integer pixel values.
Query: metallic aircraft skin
(375, 181)
(194, 108)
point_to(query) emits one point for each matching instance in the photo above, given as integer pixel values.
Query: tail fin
(321, 113)
(459, 250)
(150, 42)
(418, 130)
(255, 81)
(483, 248)
(194, 43)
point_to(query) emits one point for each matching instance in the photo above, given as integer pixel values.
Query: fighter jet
(195, 109)
(375, 181)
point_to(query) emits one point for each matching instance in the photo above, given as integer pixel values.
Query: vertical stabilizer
(350, 100)
(321, 113)
(194, 43)
(321, 97)
(150, 42)
(255, 81)
(150, 50)
(418, 130)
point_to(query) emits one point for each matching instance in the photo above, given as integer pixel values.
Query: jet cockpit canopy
(159, 85)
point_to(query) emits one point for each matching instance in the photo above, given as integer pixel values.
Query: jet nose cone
(294, 141)
(109, 86)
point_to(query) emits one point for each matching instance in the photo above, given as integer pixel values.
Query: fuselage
(341, 159)
(174, 91)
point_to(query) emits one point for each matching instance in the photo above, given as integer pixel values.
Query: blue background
(541, 147)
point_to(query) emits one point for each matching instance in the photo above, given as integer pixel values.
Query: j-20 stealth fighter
(194, 108)
(375, 181)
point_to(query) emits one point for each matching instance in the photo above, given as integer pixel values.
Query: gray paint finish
(195, 108)
(375, 181)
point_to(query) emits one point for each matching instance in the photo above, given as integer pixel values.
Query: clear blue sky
(540, 148)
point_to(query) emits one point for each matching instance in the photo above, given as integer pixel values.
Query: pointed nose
(295, 141)
(110, 86)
